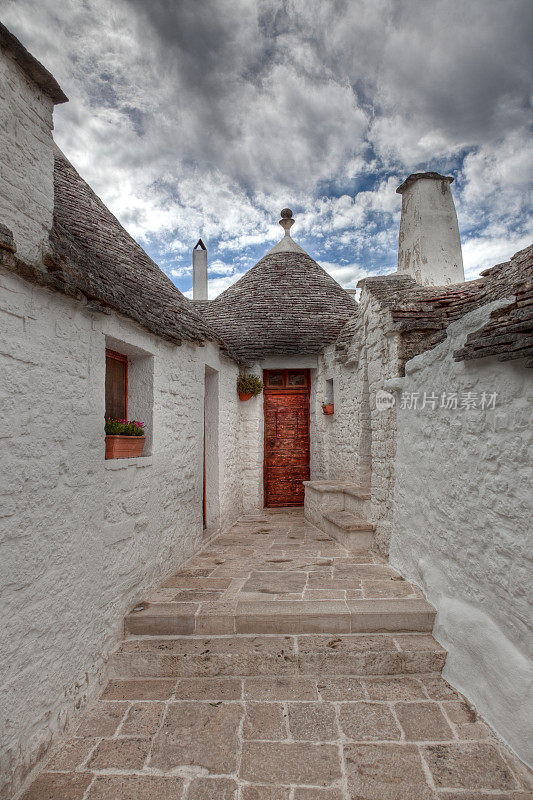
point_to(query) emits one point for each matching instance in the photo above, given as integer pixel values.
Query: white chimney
(199, 271)
(429, 246)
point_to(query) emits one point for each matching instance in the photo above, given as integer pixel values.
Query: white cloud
(321, 106)
(486, 251)
(347, 275)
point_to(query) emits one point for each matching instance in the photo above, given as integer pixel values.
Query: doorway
(211, 503)
(287, 443)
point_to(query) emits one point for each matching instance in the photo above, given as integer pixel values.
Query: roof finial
(286, 221)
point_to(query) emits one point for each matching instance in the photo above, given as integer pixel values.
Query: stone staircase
(341, 510)
(277, 665)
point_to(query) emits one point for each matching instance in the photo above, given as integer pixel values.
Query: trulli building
(425, 458)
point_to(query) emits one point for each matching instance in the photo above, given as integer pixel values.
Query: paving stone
(280, 688)
(523, 774)
(119, 754)
(290, 762)
(348, 644)
(275, 582)
(310, 682)
(195, 596)
(394, 689)
(349, 655)
(321, 594)
(468, 765)
(437, 688)
(368, 722)
(209, 689)
(158, 689)
(158, 619)
(342, 688)
(465, 720)
(57, 786)
(197, 583)
(385, 772)
(198, 734)
(364, 571)
(255, 655)
(387, 588)
(134, 787)
(329, 584)
(211, 789)
(313, 722)
(265, 793)
(200, 572)
(264, 721)
(215, 618)
(102, 720)
(418, 641)
(391, 615)
(306, 616)
(306, 793)
(142, 719)
(71, 754)
(451, 795)
(423, 722)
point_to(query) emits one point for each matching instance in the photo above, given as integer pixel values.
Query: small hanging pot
(245, 396)
(327, 409)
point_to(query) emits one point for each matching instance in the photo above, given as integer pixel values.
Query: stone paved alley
(276, 665)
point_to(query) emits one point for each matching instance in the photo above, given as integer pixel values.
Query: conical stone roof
(285, 305)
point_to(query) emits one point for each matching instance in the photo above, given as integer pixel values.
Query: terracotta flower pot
(124, 446)
(327, 409)
(245, 395)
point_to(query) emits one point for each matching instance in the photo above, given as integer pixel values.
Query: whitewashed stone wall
(252, 434)
(81, 538)
(334, 450)
(26, 160)
(462, 526)
(358, 442)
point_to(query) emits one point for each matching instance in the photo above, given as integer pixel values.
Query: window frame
(124, 360)
(285, 387)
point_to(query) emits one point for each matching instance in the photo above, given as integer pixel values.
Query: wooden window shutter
(116, 385)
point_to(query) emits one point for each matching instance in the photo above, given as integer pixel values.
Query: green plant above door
(249, 386)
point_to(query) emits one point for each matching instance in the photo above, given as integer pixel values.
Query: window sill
(124, 463)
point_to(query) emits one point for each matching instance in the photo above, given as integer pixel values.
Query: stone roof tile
(285, 305)
(421, 314)
(93, 255)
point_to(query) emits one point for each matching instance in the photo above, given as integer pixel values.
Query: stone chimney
(28, 94)
(199, 271)
(429, 246)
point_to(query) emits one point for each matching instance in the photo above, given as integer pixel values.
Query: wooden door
(286, 464)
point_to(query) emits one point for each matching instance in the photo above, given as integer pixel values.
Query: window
(116, 385)
(297, 379)
(275, 379)
(294, 380)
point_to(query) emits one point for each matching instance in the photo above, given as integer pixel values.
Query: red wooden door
(286, 465)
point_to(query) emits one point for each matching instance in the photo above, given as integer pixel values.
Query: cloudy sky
(206, 117)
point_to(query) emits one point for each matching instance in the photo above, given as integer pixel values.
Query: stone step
(348, 521)
(343, 654)
(322, 496)
(334, 487)
(352, 532)
(362, 615)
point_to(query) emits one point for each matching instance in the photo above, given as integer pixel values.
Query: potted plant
(327, 409)
(249, 386)
(124, 438)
